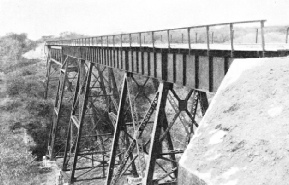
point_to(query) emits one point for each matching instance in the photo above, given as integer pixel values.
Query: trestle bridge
(119, 104)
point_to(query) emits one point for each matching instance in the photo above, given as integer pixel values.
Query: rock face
(244, 137)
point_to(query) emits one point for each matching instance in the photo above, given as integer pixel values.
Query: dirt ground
(244, 137)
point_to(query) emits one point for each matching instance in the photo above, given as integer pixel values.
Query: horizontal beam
(55, 61)
(196, 68)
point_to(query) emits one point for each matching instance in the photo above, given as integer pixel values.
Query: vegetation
(25, 115)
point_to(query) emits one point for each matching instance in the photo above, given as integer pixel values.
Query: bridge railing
(137, 39)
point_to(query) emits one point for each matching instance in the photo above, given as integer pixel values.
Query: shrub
(40, 136)
(28, 71)
(39, 107)
(15, 86)
(33, 88)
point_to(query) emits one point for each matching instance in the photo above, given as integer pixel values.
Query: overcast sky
(96, 17)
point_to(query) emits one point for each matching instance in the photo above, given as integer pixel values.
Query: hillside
(25, 115)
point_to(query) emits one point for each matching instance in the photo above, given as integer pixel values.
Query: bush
(15, 86)
(40, 136)
(28, 71)
(39, 107)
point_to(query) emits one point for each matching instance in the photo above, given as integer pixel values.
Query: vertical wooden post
(196, 37)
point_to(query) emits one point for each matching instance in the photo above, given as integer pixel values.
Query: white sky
(96, 17)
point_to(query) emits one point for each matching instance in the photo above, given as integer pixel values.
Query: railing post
(153, 40)
(130, 40)
(189, 40)
(139, 39)
(208, 39)
(257, 35)
(113, 40)
(168, 35)
(101, 41)
(232, 39)
(263, 38)
(196, 38)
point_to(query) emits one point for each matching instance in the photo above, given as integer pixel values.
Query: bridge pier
(156, 153)
(91, 125)
(66, 80)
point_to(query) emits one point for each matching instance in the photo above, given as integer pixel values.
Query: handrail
(162, 30)
(92, 41)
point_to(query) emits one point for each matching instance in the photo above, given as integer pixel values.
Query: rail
(111, 39)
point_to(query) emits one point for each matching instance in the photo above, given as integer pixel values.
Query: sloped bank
(244, 137)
